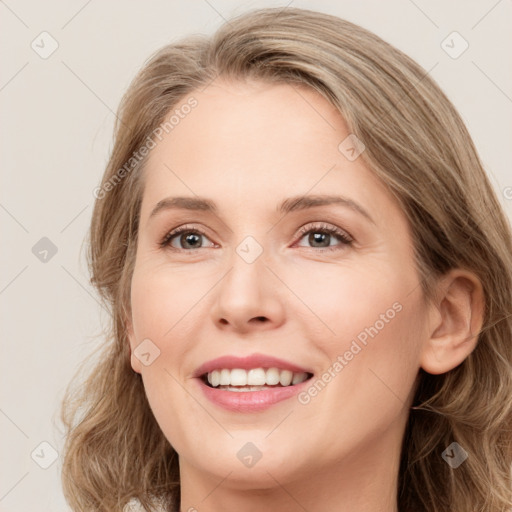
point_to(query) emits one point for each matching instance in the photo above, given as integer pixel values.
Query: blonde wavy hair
(417, 144)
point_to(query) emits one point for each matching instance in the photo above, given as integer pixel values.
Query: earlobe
(455, 322)
(135, 362)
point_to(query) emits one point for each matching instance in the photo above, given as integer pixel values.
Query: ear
(135, 361)
(455, 321)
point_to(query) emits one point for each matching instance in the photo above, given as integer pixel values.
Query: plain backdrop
(57, 116)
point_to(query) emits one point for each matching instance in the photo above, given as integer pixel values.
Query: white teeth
(238, 377)
(272, 376)
(285, 377)
(225, 377)
(254, 379)
(214, 378)
(298, 378)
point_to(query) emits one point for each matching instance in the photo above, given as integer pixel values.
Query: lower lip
(250, 401)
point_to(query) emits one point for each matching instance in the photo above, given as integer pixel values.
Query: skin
(247, 147)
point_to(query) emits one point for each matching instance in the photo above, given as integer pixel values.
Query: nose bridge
(244, 283)
(246, 291)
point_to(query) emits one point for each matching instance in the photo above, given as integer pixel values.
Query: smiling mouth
(255, 379)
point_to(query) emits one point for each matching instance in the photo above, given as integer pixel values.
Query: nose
(248, 297)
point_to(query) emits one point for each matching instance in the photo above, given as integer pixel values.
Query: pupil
(188, 237)
(318, 237)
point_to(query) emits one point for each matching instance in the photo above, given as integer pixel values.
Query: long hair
(417, 144)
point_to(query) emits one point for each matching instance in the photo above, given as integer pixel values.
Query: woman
(310, 282)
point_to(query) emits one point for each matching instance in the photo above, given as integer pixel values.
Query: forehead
(248, 142)
(233, 121)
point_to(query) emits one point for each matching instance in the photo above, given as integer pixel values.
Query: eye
(190, 238)
(320, 236)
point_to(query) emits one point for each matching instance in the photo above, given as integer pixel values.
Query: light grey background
(56, 134)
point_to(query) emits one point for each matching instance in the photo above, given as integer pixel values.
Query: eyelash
(342, 236)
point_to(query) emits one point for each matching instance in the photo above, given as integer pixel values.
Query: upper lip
(248, 362)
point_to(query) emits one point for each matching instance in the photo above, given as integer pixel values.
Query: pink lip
(249, 401)
(246, 363)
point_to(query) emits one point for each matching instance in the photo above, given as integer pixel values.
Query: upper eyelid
(322, 225)
(319, 224)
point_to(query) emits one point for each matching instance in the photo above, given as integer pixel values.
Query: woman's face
(327, 288)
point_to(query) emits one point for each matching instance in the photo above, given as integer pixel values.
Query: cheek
(369, 375)
(344, 301)
(172, 406)
(161, 298)
(380, 358)
(370, 334)
(160, 302)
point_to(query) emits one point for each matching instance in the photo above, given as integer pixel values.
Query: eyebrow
(290, 204)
